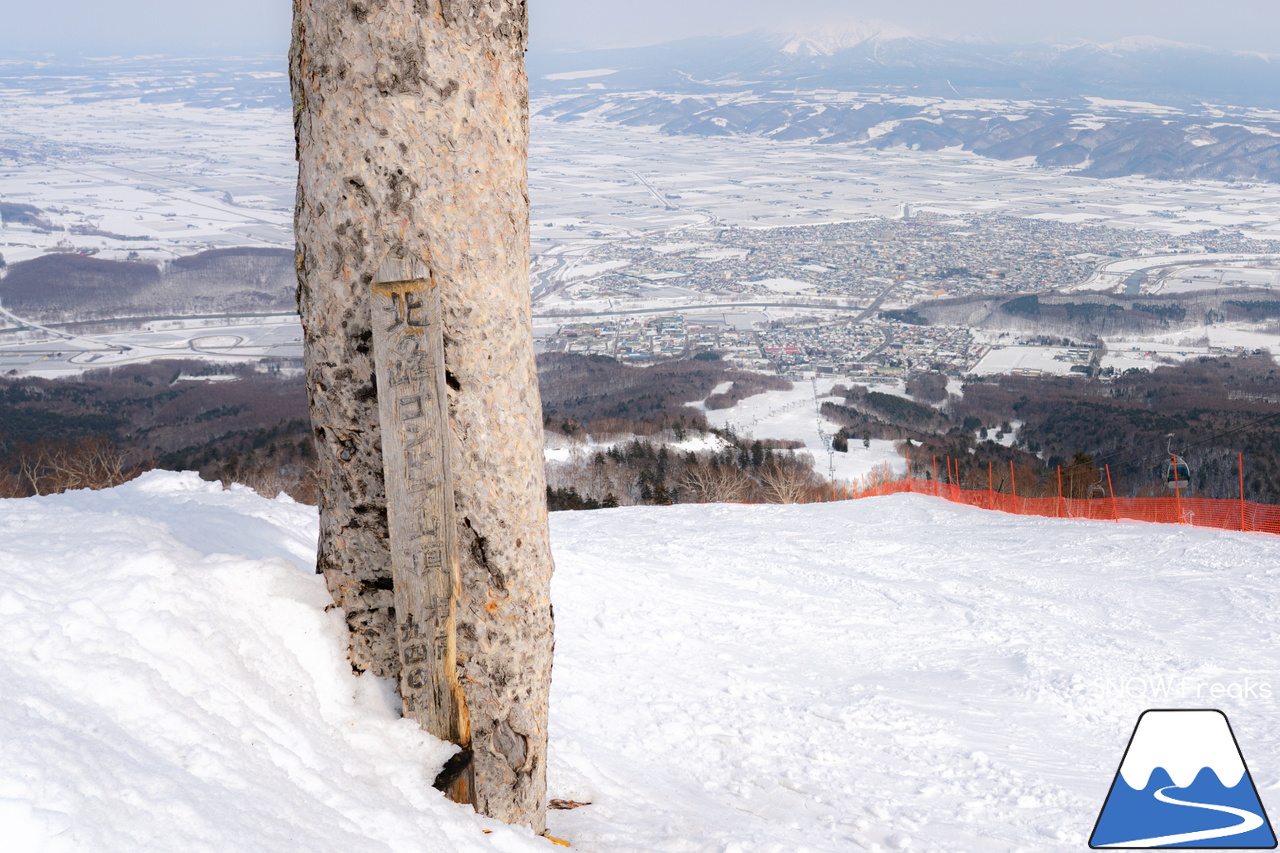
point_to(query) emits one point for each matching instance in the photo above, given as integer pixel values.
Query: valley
(824, 265)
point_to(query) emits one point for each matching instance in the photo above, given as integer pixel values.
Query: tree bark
(411, 119)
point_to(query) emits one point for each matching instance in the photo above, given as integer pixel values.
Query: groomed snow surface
(883, 674)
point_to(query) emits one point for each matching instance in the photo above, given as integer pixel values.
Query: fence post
(1177, 489)
(1240, 466)
(937, 489)
(1013, 487)
(1059, 491)
(991, 489)
(1114, 510)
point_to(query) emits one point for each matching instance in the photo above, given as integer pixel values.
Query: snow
(590, 270)
(173, 681)
(581, 75)
(882, 673)
(832, 38)
(794, 415)
(889, 673)
(1030, 360)
(560, 448)
(723, 255)
(784, 285)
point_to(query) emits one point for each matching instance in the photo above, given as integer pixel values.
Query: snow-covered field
(1031, 360)
(891, 673)
(57, 353)
(793, 415)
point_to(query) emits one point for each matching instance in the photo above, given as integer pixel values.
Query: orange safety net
(1198, 512)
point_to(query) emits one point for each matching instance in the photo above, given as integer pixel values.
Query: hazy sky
(95, 27)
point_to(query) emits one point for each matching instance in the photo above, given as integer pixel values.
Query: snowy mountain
(832, 38)
(873, 56)
(1132, 44)
(890, 673)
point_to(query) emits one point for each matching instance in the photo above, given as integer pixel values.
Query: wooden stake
(408, 354)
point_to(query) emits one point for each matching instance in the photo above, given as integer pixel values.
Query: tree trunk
(412, 127)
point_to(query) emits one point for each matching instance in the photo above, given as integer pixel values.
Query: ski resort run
(883, 674)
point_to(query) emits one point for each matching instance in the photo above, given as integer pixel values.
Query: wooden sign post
(413, 406)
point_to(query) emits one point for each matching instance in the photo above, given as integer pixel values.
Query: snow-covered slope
(888, 673)
(171, 681)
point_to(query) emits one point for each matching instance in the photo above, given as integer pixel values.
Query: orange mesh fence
(1198, 512)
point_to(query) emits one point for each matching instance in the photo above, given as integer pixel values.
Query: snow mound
(172, 681)
(888, 673)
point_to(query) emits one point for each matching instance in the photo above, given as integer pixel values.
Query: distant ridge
(833, 38)
(873, 55)
(1134, 106)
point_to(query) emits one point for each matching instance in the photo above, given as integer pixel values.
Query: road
(691, 307)
(272, 336)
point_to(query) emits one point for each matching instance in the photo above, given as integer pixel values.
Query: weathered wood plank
(408, 354)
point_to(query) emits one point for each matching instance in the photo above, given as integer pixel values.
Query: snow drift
(888, 673)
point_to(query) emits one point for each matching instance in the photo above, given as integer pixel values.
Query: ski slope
(885, 674)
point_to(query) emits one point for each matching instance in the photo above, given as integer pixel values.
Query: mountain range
(885, 57)
(1138, 106)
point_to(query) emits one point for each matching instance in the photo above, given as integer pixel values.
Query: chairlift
(1177, 474)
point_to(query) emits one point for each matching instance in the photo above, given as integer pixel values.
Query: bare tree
(50, 468)
(787, 482)
(720, 484)
(411, 119)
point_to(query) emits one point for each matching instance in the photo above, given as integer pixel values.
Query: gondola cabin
(1177, 474)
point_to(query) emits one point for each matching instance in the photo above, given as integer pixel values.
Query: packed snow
(173, 680)
(882, 674)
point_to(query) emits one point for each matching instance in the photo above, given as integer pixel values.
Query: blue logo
(1183, 783)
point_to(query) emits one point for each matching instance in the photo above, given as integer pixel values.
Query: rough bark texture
(412, 126)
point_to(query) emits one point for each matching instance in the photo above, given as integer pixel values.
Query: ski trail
(1249, 821)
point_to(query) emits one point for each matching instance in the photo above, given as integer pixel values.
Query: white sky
(95, 27)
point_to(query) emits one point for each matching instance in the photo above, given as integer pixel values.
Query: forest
(235, 424)
(1208, 411)
(1090, 316)
(64, 287)
(250, 425)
